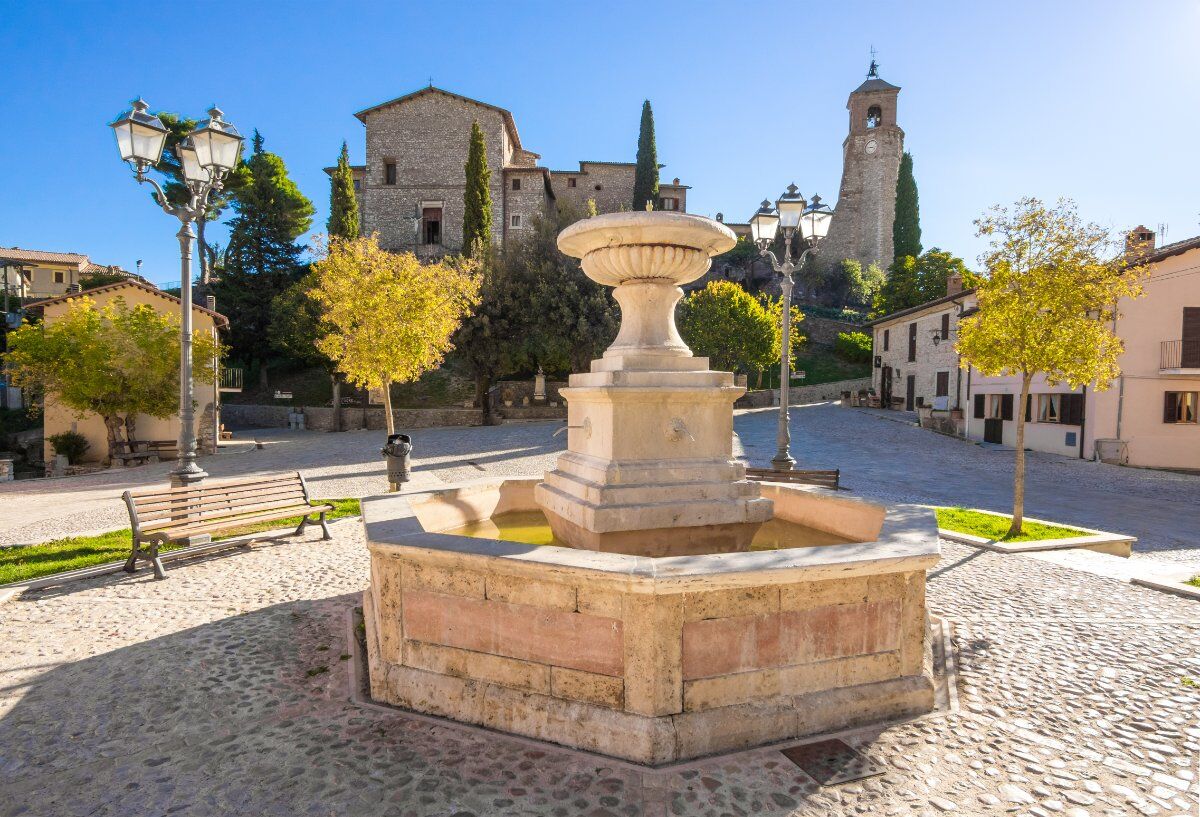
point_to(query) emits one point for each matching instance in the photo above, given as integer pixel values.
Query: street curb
(1186, 591)
(1114, 544)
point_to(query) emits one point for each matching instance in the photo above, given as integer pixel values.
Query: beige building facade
(40, 274)
(1148, 417)
(410, 191)
(58, 418)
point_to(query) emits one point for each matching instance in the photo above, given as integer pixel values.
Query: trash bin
(396, 452)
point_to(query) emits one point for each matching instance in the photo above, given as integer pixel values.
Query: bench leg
(131, 562)
(325, 535)
(300, 529)
(159, 572)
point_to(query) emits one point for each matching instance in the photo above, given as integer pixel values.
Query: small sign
(283, 395)
(800, 375)
(375, 397)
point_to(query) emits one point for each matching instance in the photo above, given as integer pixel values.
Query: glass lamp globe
(814, 224)
(791, 206)
(192, 171)
(764, 224)
(218, 143)
(140, 134)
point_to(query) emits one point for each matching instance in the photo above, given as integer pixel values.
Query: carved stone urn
(649, 466)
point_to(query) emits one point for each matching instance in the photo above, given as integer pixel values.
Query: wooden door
(910, 392)
(885, 387)
(993, 430)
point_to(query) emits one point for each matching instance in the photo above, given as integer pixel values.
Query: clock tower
(866, 207)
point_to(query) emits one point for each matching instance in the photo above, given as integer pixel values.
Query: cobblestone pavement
(879, 458)
(224, 691)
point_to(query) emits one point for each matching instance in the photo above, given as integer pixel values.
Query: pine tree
(262, 258)
(906, 228)
(477, 199)
(343, 206)
(645, 178)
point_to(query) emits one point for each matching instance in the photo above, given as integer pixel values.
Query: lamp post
(792, 213)
(206, 157)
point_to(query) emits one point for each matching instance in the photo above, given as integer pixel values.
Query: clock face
(872, 146)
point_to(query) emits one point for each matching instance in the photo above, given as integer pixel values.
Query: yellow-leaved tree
(1047, 301)
(387, 318)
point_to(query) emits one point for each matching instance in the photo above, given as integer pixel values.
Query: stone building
(410, 191)
(871, 152)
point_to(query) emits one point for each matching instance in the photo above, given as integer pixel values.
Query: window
(60, 277)
(571, 182)
(912, 342)
(357, 186)
(516, 186)
(946, 326)
(514, 221)
(389, 172)
(670, 204)
(1180, 406)
(431, 225)
(874, 116)
(887, 336)
(942, 387)
(1049, 408)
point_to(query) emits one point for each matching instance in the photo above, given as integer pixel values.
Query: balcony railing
(1179, 354)
(232, 379)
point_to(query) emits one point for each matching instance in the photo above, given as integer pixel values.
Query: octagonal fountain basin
(653, 660)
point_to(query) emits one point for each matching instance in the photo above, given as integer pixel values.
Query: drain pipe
(1083, 421)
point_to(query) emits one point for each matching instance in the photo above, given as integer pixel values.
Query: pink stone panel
(554, 637)
(746, 643)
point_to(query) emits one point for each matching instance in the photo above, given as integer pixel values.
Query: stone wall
(527, 203)
(614, 180)
(822, 331)
(798, 395)
(320, 418)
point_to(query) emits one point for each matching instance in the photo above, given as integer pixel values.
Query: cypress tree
(477, 199)
(262, 258)
(645, 178)
(343, 206)
(906, 229)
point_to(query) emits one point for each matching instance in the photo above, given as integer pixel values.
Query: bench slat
(229, 500)
(219, 515)
(213, 487)
(231, 524)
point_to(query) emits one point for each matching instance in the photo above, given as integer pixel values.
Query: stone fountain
(654, 626)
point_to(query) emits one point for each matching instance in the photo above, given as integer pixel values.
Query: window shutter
(1072, 409)
(979, 406)
(1169, 406)
(1006, 407)
(1029, 408)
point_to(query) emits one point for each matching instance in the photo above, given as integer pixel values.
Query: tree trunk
(262, 375)
(130, 427)
(337, 401)
(1018, 515)
(203, 245)
(112, 425)
(482, 383)
(387, 408)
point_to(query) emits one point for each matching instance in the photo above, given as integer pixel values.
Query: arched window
(874, 116)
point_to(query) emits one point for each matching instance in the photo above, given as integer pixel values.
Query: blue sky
(1093, 100)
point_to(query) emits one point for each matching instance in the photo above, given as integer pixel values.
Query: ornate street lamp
(794, 215)
(207, 157)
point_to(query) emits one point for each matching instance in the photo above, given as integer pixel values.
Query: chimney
(1139, 242)
(954, 284)
(210, 303)
(676, 181)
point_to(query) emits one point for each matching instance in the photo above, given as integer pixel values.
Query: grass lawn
(990, 526)
(18, 564)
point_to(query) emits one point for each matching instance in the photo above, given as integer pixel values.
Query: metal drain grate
(830, 762)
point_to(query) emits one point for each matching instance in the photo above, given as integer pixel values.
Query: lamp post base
(782, 462)
(187, 475)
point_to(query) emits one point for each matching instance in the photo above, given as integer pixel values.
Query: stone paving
(224, 690)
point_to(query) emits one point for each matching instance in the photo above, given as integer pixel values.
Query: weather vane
(874, 70)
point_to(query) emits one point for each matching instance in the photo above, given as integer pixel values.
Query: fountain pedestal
(649, 467)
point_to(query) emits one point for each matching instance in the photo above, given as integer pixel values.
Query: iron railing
(1180, 354)
(232, 379)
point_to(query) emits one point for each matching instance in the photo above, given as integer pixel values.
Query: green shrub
(70, 444)
(853, 346)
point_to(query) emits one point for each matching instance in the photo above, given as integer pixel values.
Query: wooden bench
(143, 451)
(194, 513)
(824, 479)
